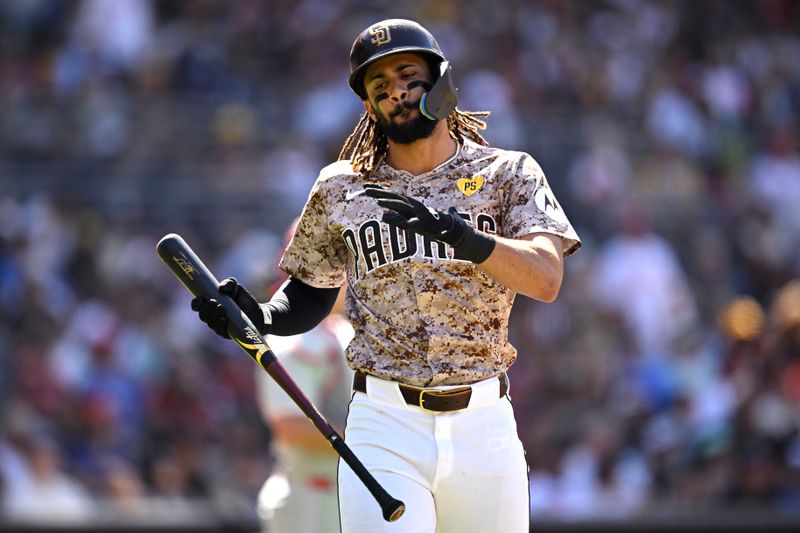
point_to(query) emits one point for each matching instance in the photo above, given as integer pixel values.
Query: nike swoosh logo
(352, 194)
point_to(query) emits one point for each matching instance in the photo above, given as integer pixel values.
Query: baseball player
(301, 494)
(436, 233)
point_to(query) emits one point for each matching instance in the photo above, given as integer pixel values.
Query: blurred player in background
(300, 495)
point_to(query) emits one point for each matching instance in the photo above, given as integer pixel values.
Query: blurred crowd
(665, 377)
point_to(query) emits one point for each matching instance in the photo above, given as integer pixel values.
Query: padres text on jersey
(422, 315)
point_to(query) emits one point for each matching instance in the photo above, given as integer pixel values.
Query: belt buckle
(422, 399)
(438, 392)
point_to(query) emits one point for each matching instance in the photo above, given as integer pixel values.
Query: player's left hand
(409, 213)
(406, 212)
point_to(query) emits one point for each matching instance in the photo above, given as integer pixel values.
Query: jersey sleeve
(316, 255)
(531, 207)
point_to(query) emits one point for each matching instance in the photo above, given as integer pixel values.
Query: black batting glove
(213, 313)
(409, 213)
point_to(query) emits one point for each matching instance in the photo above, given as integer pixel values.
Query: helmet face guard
(394, 36)
(441, 99)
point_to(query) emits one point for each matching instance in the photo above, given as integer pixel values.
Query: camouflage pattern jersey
(422, 316)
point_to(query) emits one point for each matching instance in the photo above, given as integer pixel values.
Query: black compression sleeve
(297, 307)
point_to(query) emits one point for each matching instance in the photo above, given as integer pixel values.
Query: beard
(420, 127)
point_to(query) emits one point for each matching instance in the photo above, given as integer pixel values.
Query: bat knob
(393, 510)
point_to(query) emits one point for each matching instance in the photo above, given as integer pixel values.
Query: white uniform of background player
(300, 496)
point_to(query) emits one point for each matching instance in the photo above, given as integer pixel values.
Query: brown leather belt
(437, 400)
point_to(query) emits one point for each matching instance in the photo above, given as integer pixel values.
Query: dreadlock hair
(367, 145)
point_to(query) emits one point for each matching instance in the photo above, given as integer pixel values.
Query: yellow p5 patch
(470, 186)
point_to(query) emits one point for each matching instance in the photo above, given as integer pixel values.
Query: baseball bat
(196, 277)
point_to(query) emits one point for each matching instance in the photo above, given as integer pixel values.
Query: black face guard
(437, 103)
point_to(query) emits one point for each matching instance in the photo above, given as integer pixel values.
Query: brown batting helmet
(392, 36)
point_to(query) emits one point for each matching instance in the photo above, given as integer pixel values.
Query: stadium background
(664, 383)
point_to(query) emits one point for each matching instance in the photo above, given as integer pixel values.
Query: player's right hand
(213, 313)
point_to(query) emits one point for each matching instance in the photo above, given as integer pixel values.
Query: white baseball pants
(456, 472)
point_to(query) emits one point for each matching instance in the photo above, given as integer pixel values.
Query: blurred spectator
(775, 190)
(638, 277)
(49, 495)
(36, 488)
(117, 32)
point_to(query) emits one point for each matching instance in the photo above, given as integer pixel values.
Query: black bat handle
(392, 508)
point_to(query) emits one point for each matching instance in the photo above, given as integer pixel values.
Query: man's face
(395, 85)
